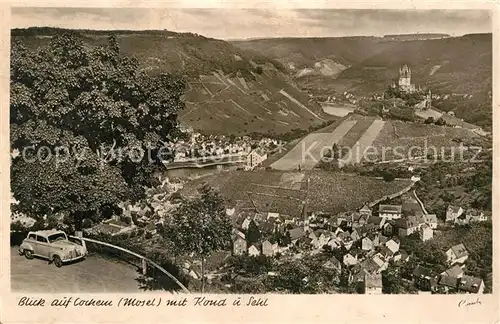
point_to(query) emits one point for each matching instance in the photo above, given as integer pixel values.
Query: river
(191, 173)
(339, 110)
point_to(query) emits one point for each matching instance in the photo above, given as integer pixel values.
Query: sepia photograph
(251, 151)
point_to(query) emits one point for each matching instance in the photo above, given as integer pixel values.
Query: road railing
(145, 261)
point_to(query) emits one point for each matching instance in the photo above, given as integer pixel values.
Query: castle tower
(405, 76)
(405, 79)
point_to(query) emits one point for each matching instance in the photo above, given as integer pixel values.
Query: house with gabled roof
(453, 212)
(422, 278)
(401, 256)
(455, 272)
(382, 264)
(370, 266)
(390, 211)
(269, 249)
(323, 237)
(425, 233)
(461, 220)
(447, 284)
(407, 226)
(239, 242)
(365, 210)
(377, 221)
(386, 252)
(367, 228)
(246, 223)
(457, 254)
(350, 260)
(355, 235)
(255, 157)
(392, 245)
(367, 244)
(431, 220)
(296, 234)
(475, 215)
(253, 250)
(345, 239)
(373, 284)
(370, 241)
(411, 208)
(358, 219)
(333, 263)
(471, 285)
(333, 243)
(389, 228)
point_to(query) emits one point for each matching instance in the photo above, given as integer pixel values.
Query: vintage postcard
(260, 162)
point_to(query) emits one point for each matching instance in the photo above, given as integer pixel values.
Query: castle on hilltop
(404, 82)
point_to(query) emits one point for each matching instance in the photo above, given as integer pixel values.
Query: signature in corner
(465, 303)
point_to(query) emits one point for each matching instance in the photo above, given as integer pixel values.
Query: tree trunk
(202, 274)
(78, 223)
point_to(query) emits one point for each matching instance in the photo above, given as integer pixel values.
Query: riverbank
(206, 162)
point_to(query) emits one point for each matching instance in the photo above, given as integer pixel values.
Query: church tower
(428, 101)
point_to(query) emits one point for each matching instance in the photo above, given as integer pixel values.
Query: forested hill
(230, 90)
(366, 65)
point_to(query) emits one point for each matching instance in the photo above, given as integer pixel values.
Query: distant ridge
(228, 90)
(419, 34)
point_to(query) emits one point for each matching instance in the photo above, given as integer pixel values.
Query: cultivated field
(335, 192)
(399, 140)
(308, 152)
(359, 150)
(355, 131)
(285, 192)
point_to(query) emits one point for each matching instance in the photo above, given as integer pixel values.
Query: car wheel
(28, 254)
(57, 261)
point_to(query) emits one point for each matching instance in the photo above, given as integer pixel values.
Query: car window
(41, 239)
(57, 237)
(32, 237)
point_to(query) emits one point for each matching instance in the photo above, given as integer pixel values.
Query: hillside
(371, 139)
(229, 90)
(446, 65)
(289, 192)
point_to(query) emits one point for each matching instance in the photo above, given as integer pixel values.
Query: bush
(87, 223)
(388, 177)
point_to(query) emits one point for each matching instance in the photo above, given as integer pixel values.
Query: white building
(254, 158)
(425, 233)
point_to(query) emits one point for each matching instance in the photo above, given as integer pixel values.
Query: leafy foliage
(430, 253)
(253, 233)
(252, 266)
(69, 104)
(200, 225)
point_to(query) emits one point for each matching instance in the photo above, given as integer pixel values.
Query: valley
(228, 91)
(366, 65)
(285, 165)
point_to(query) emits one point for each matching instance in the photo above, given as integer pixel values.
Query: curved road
(94, 274)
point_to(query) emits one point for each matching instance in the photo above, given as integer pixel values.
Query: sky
(261, 23)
